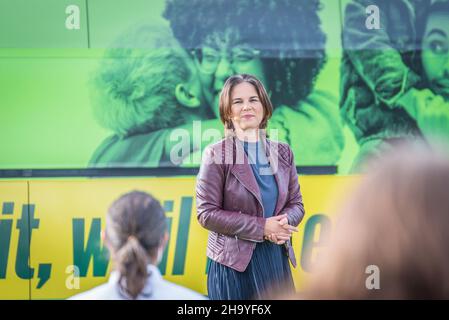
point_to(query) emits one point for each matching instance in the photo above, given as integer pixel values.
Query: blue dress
(269, 268)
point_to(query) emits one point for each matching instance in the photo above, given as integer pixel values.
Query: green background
(45, 111)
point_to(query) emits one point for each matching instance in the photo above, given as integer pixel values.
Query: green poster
(115, 84)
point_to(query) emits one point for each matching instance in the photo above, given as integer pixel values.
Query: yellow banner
(50, 232)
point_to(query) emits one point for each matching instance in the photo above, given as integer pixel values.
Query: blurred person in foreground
(396, 220)
(136, 236)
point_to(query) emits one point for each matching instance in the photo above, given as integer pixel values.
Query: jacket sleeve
(373, 55)
(209, 199)
(294, 207)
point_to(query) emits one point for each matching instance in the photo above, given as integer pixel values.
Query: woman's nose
(224, 69)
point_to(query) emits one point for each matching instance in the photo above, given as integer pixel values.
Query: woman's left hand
(277, 239)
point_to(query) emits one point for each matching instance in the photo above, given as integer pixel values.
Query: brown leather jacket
(229, 203)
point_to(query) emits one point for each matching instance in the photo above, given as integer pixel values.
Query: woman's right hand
(278, 230)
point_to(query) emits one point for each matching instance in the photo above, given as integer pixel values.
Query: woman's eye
(209, 58)
(243, 57)
(438, 47)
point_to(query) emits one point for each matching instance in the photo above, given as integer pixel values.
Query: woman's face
(189, 92)
(246, 108)
(223, 55)
(194, 82)
(435, 54)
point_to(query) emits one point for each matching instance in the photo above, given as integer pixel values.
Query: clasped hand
(277, 229)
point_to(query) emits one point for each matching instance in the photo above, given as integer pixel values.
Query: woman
(247, 193)
(430, 107)
(136, 236)
(146, 86)
(377, 70)
(286, 56)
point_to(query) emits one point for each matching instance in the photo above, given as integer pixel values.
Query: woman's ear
(185, 97)
(161, 249)
(104, 240)
(165, 239)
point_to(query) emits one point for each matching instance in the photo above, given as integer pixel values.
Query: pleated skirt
(268, 272)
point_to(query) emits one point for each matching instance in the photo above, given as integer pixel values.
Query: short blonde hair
(225, 103)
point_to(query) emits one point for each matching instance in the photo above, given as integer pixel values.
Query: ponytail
(132, 261)
(135, 228)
